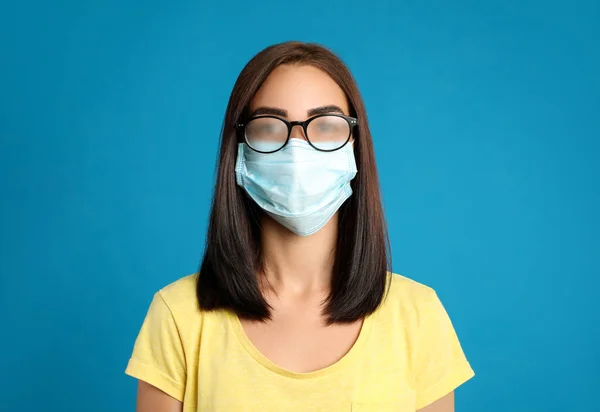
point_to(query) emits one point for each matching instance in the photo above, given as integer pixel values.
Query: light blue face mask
(298, 186)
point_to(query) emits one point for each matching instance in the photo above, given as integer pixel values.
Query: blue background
(485, 117)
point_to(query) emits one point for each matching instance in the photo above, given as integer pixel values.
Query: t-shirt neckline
(259, 357)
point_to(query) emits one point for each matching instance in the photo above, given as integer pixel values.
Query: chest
(301, 342)
(292, 364)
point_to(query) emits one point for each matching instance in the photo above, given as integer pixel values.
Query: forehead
(298, 89)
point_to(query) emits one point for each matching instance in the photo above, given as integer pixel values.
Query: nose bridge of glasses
(297, 130)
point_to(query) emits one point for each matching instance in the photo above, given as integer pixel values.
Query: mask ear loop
(240, 165)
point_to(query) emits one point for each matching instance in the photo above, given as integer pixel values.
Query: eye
(327, 126)
(266, 127)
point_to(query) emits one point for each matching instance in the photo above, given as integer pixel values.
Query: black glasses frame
(352, 122)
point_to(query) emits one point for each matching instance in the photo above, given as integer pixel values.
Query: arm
(444, 404)
(152, 399)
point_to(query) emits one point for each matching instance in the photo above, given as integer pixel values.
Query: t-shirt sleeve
(158, 356)
(440, 364)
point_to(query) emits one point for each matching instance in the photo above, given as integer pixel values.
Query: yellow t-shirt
(406, 356)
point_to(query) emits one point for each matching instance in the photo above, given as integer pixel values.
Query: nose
(297, 132)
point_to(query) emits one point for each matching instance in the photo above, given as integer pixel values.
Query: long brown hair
(232, 258)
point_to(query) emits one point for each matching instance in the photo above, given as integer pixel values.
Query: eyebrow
(274, 111)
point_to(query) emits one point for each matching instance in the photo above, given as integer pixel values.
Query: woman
(293, 308)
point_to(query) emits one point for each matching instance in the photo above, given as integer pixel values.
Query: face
(296, 93)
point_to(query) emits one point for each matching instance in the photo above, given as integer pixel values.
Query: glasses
(325, 132)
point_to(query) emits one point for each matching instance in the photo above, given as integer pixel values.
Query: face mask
(298, 186)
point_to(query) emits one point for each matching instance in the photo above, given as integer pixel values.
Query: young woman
(294, 307)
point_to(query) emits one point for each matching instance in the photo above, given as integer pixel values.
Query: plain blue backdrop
(485, 117)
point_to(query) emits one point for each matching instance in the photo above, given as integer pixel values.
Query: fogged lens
(266, 134)
(328, 132)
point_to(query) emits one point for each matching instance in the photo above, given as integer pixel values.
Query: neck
(298, 265)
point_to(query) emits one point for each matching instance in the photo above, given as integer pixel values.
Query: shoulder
(409, 292)
(408, 298)
(183, 288)
(181, 299)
